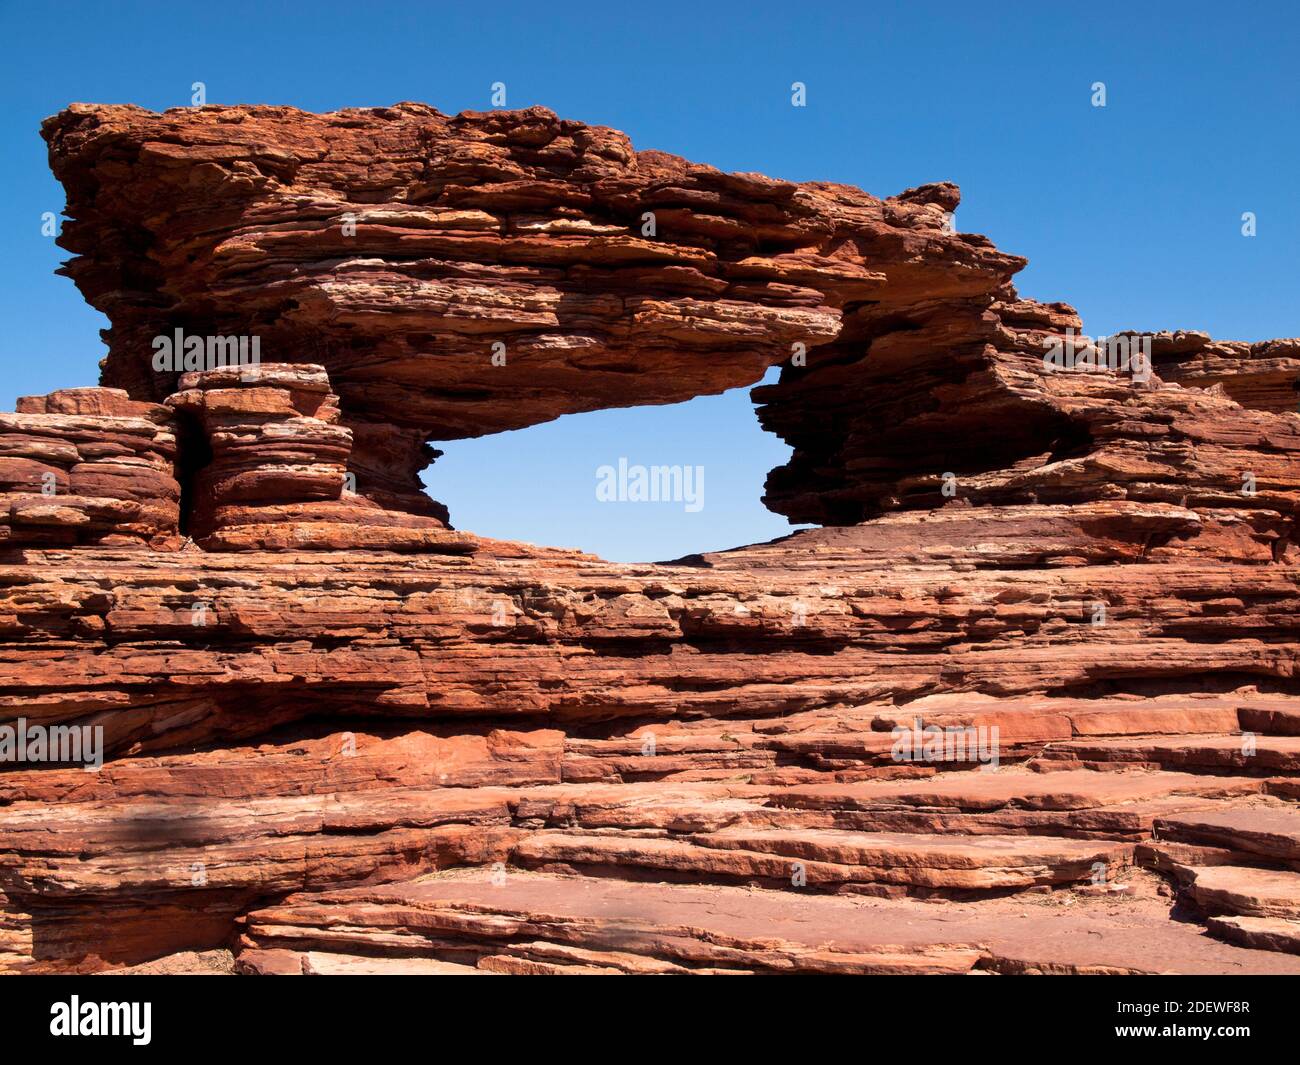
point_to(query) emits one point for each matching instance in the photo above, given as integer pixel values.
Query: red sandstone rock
(278, 467)
(517, 227)
(1252, 892)
(1269, 831)
(1259, 933)
(631, 927)
(87, 465)
(1262, 375)
(342, 737)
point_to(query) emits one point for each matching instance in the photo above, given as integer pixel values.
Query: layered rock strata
(462, 276)
(271, 466)
(1027, 703)
(88, 465)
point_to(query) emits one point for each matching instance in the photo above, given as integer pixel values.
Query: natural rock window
(342, 736)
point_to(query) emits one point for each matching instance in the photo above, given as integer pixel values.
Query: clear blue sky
(1131, 212)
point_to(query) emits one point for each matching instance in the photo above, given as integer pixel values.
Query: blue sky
(1131, 212)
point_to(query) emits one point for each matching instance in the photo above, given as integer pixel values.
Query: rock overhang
(396, 246)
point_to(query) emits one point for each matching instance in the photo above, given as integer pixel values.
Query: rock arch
(341, 696)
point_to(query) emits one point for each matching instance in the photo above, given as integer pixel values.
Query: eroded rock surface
(1029, 693)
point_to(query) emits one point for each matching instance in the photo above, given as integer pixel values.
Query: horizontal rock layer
(88, 465)
(375, 718)
(957, 401)
(272, 467)
(461, 276)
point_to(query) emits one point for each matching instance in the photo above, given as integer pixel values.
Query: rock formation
(1039, 661)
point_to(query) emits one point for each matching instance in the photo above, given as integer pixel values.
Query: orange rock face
(1040, 661)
